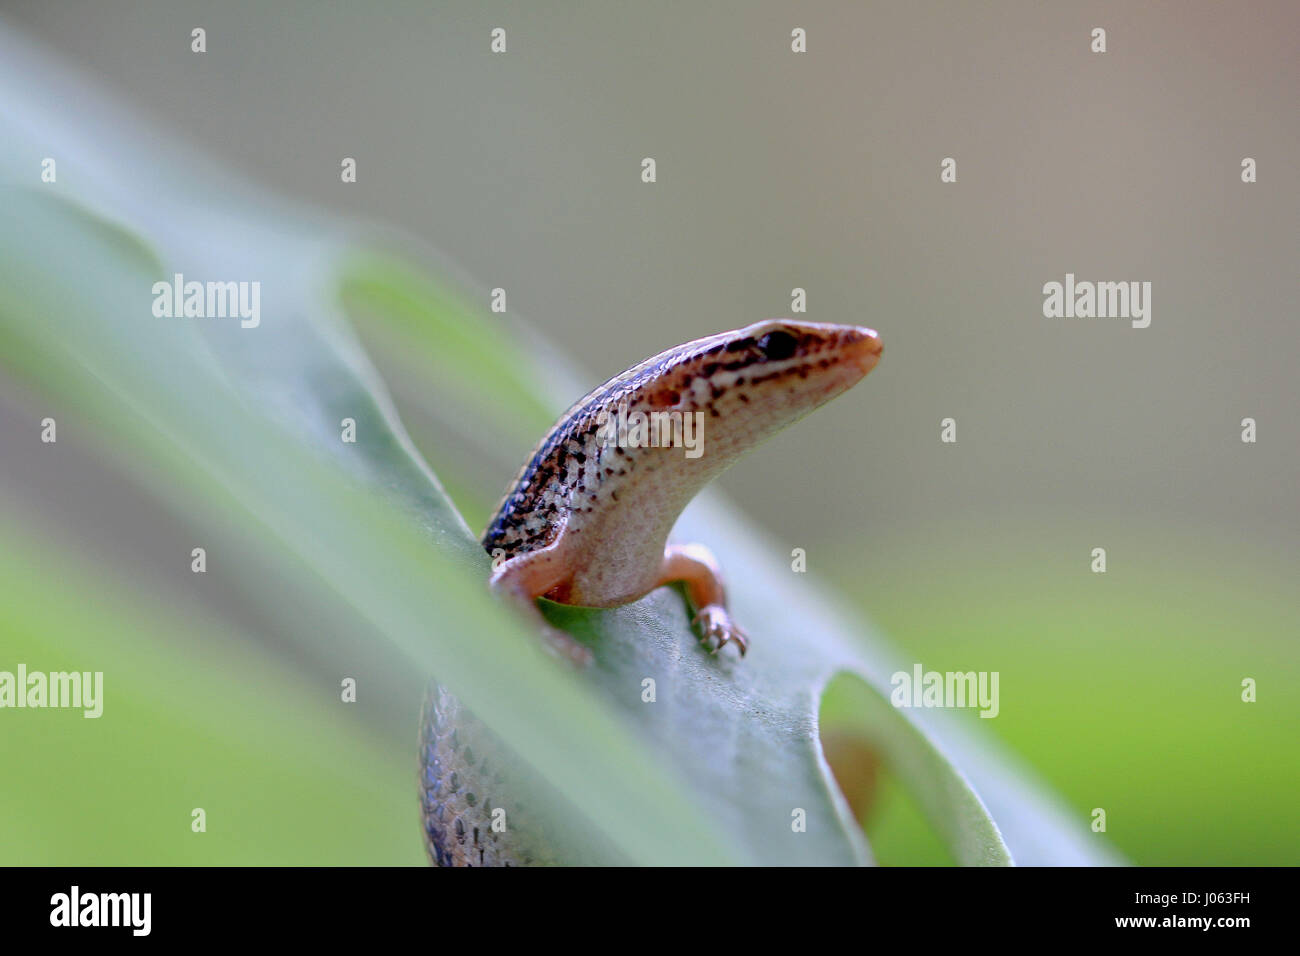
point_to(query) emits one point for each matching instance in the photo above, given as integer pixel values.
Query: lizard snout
(862, 347)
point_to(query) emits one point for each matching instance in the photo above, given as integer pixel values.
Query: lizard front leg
(695, 566)
(522, 579)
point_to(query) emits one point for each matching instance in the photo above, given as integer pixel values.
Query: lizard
(587, 520)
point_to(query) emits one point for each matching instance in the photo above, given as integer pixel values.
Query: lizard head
(776, 371)
(809, 361)
(749, 383)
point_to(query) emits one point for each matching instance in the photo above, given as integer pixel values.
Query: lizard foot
(716, 625)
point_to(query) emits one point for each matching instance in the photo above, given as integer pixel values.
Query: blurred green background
(818, 171)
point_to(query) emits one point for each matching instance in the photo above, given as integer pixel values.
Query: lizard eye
(777, 345)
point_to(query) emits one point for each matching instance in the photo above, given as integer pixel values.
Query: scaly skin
(587, 521)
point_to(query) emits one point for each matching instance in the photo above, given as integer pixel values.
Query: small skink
(587, 521)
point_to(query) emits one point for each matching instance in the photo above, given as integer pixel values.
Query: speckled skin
(587, 521)
(466, 773)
